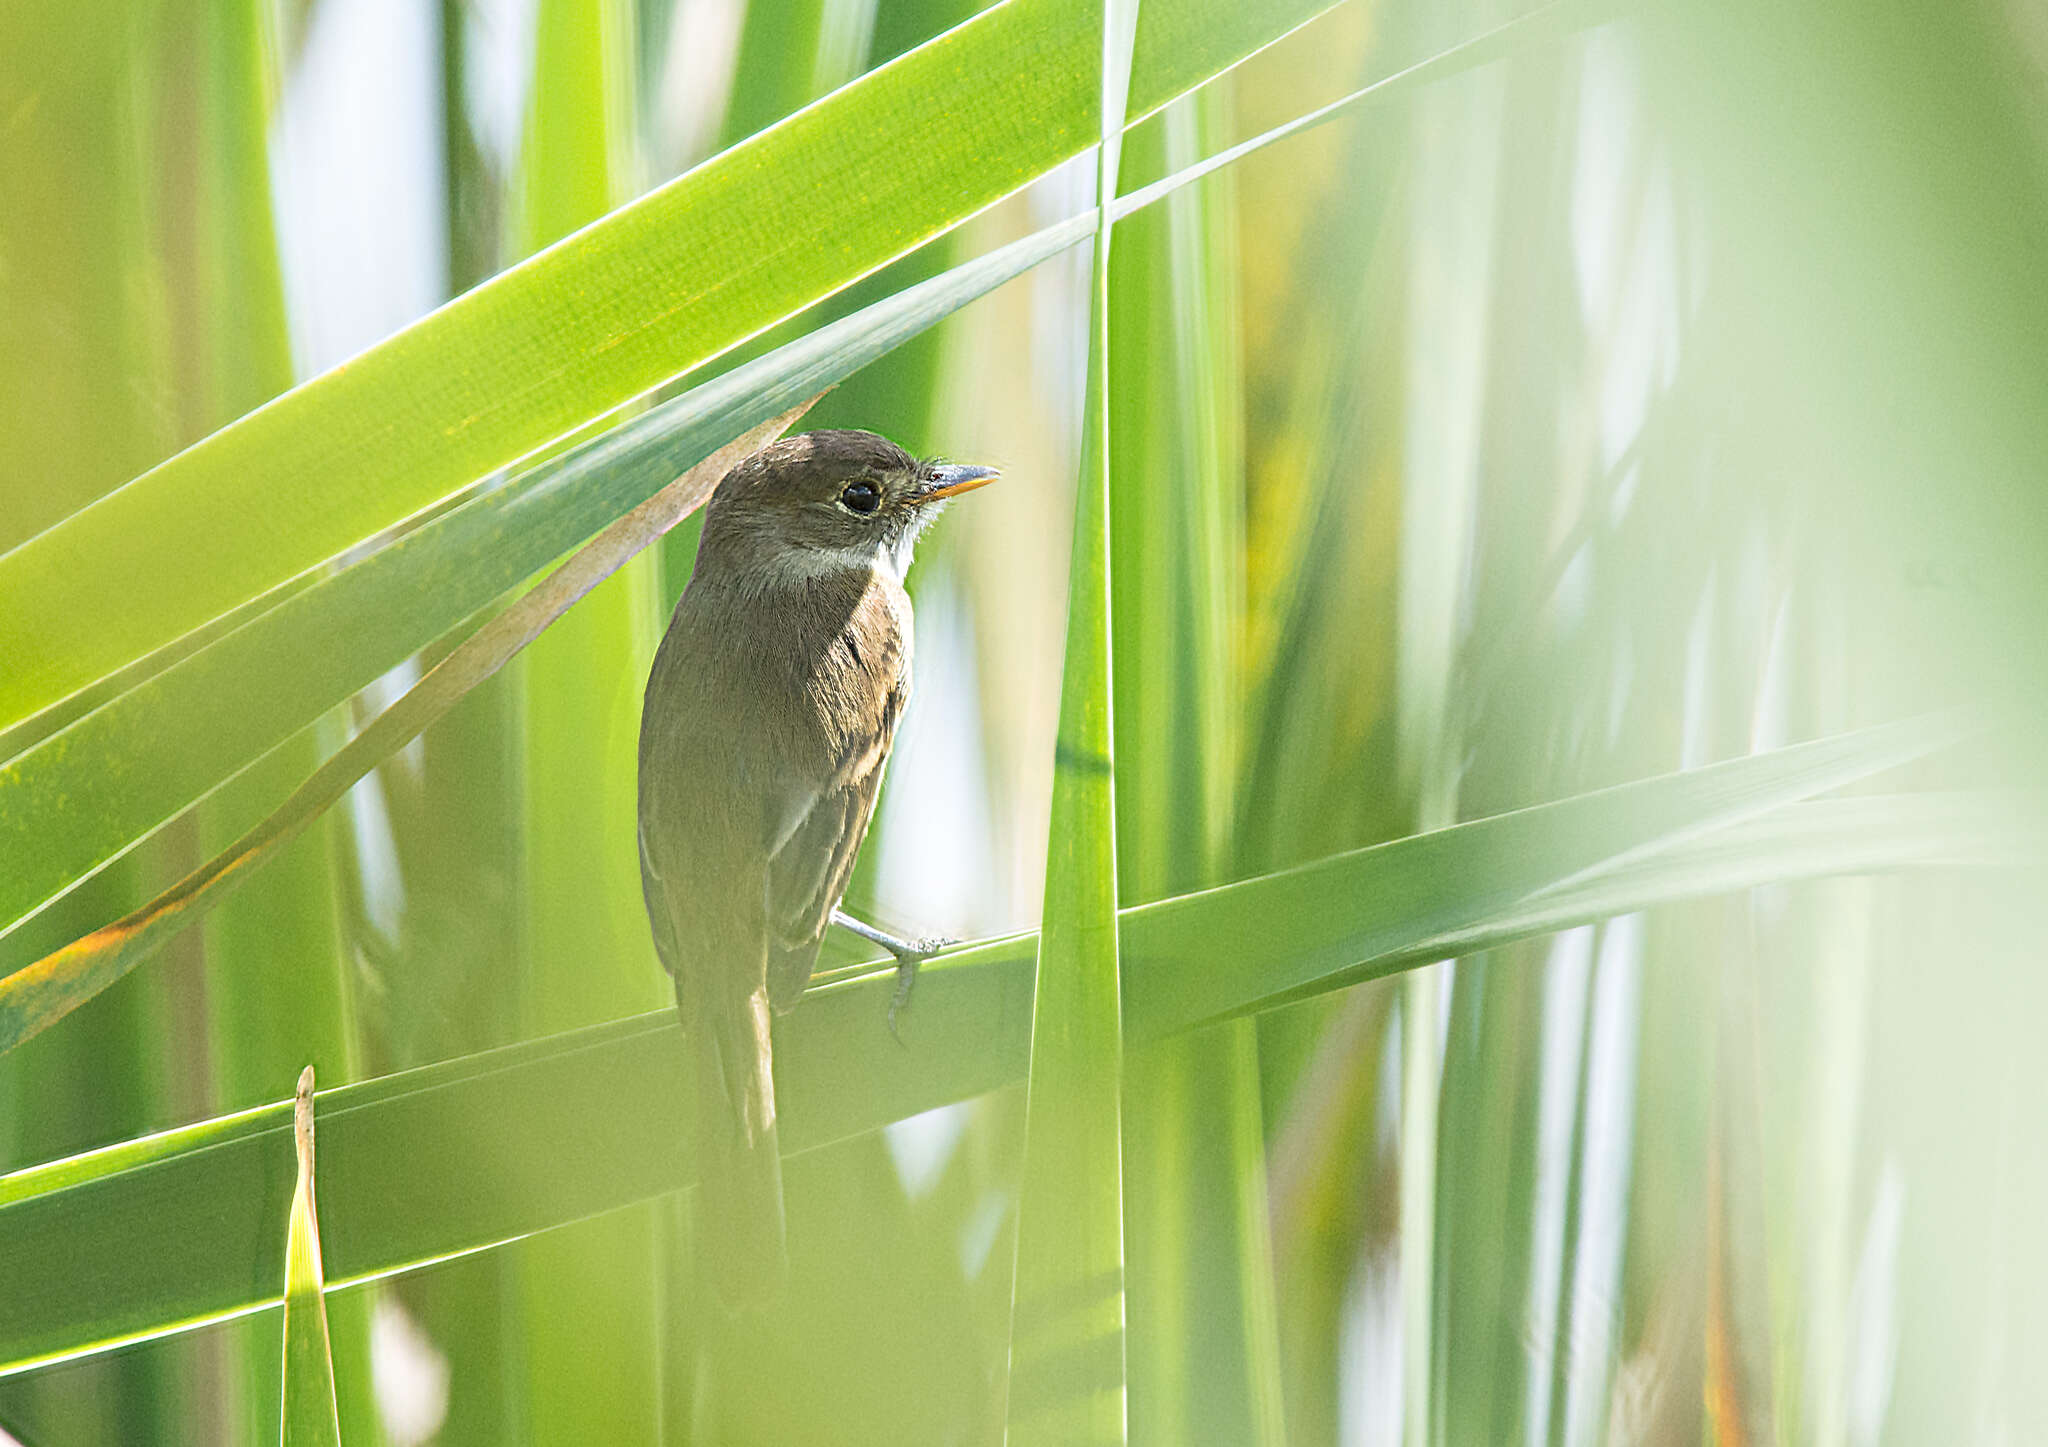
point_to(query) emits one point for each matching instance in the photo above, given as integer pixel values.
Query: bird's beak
(952, 480)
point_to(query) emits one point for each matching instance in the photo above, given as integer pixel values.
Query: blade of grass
(79, 236)
(1203, 1355)
(311, 1418)
(125, 192)
(656, 288)
(1488, 1329)
(1318, 775)
(508, 1134)
(1324, 921)
(437, 936)
(262, 1022)
(1067, 1314)
(588, 954)
(771, 73)
(79, 241)
(1452, 199)
(79, 797)
(134, 1240)
(33, 998)
(586, 1315)
(131, 764)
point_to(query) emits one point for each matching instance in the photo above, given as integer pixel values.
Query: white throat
(788, 566)
(895, 562)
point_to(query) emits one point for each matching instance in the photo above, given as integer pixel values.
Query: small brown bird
(770, 710)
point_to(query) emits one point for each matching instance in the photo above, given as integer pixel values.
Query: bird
(770, 709)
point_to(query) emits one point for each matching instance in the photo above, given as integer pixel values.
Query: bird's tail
(739, 1177)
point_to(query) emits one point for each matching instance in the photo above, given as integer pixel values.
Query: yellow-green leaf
(652, 290)
(310, 1416)
(1067, 1316)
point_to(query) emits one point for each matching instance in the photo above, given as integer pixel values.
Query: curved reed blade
(1067, 1314)
(655, 288)
(34, 998)
(311, 1418)
(132, 1241)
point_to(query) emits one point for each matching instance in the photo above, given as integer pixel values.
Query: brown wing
(654, 890)
(808, 874)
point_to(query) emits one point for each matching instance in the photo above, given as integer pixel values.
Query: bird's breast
(864, 663)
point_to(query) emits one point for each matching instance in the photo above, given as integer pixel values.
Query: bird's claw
(908, 960)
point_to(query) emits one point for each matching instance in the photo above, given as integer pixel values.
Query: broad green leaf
(590, 1296)
(1490, 1323)
(77, 237)
(97, 382)
(1453, 237)
(1364, 914)
(654, 289)
(461, 1155)
(37, 996)
(73, 800)
(262, 1022)
(311, 1418)
(587, 951)
(1203, 1356)
(1067, 1313)
(172, 1230)
(1825, 838)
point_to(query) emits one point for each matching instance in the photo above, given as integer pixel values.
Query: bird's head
(823, 502)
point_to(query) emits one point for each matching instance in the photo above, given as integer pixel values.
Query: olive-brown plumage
(769, 714)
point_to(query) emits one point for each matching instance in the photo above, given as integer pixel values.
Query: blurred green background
(1669, 387)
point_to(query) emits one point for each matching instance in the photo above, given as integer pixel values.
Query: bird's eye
(862, 497)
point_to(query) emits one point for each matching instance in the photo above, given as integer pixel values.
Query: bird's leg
(909, 955)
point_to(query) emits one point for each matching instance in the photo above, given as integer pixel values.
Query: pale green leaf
(652, 290)
(166, 1232)
(311, 1418)
(1067, 1314)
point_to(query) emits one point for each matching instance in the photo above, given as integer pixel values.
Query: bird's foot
(909, 958)
(909, 953)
